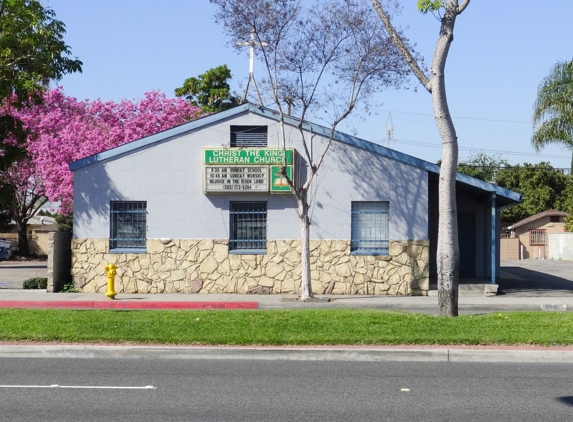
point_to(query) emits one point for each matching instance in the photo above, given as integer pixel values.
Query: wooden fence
(37, 242)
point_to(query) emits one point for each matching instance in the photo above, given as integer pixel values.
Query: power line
(464, 118)
(510, 167)
(470, 149)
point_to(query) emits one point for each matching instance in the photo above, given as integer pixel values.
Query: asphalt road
(235, 390)
(13, 273)
(537, 278)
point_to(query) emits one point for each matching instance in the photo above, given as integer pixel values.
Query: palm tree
(553, 109)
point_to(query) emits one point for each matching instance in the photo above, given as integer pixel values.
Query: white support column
(494, 234)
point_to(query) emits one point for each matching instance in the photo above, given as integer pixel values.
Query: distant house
(531, 233)
(37, 230)
(42, 224)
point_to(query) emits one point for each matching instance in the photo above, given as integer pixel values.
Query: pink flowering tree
(63, 129)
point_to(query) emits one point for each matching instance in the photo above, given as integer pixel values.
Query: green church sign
(228, 170)
(266, 156)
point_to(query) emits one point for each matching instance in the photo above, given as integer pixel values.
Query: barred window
(248, 226)
(249, 136)
(537, 237)
(128, 225)
(369, 228)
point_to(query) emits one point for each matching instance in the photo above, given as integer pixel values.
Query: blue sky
(501, 52)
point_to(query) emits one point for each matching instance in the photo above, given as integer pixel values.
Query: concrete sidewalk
(17, 298)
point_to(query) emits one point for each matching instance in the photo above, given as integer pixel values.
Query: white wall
(169, 177)
(560, 246)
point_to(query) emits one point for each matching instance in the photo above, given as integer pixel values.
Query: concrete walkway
(17, 298)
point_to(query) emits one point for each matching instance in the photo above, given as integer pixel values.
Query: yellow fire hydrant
(111, 272)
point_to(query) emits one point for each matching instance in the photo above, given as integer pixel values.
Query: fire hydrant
(111, 272)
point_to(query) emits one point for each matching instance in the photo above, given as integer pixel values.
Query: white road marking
(92, 387)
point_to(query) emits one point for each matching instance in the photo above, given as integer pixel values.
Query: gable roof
(510, 197)
(548, 213)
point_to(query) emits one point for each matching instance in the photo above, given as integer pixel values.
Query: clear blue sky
(501, 52)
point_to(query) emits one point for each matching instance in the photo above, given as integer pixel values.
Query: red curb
(241, 305)
(158, 305)
(47, 304)
(86, 304)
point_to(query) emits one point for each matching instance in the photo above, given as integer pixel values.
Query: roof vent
(249, 136)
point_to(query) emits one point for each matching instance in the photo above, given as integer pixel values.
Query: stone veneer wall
(205, 266)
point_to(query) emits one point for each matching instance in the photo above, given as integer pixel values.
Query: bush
(65, 223)
(35, 283)
(69, 288)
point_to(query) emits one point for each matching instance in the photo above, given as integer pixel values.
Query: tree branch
(2, 7)
(463, 6)
(406, 54)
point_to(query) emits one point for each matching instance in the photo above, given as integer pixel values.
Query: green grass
(284, 327)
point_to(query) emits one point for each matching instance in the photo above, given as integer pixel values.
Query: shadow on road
(568, 400)
(528, 282)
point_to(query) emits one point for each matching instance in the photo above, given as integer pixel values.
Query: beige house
(37, 230)
(528, 238)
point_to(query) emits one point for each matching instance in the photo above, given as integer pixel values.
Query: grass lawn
(284, 327)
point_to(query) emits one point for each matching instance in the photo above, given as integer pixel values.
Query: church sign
(245, 170)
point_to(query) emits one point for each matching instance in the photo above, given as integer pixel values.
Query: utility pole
(389, 141)
(252, 44)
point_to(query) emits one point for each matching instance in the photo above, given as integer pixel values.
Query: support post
(494, 231)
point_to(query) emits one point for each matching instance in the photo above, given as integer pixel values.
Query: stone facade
(205, 266)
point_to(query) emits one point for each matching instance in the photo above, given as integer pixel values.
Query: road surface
(239, 390)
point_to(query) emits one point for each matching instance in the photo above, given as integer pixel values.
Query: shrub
(65, 223)
(35, 283)
(69, 288)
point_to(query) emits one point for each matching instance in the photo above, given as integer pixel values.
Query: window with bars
(248, 227)
(128, 225)
(537, 237)
(369, 228)
(249, 136)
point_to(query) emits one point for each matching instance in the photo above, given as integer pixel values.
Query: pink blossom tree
(63, 129)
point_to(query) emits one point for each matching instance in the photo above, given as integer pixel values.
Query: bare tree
(329, 57)
(448, 254)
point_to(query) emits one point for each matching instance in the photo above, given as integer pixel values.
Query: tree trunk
(306, 282)
(23, 249)
(448, 255)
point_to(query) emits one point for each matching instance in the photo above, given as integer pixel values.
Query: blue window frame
(248, 227)
(128, 226)
(369, 228)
